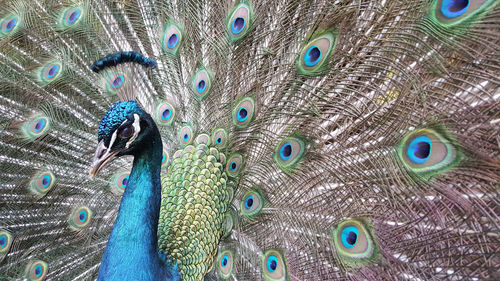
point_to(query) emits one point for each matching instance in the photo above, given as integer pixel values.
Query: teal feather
(365, 134)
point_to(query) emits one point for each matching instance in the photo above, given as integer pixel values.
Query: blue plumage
(132, 249)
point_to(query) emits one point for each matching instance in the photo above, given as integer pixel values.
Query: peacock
(249, 140)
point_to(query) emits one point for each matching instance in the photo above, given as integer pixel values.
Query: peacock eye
(126, 132)
(353, 240)
(315, 54)
(251, 204)
(453, 12)
(427, 152)
(289, 152)
(219, 137)
(239, 21)
(225, 263)
(273, 266)
(243, 113)
(36, 270)
(233, 166)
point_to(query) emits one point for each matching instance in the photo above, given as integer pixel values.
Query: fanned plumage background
(394, 70)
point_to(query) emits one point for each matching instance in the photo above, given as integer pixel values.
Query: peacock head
(121, 132)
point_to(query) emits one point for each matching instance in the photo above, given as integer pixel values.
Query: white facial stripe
(137, 130)
(113, 137)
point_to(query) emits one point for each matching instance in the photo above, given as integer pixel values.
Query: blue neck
(132, 249)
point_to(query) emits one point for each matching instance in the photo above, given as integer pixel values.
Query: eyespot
(451, 12)
(41, 183)
(427, 152)
(228, 226)
(37, 126)
(172, 38)
(219, 138)
(454, 8)
(234, 165)
(119, 182)
(71, 16)
(164, 159)
(239, 22)
(353, 240)
(243, 113)
(80, 218)
(165, 113)
(251, 204)
(225, 263)
(185, 135)
(316, 53)
(115, 81)
(36, 270)
(9, 24)
(50, 72)
(273, 266)
(289, 152)
(126, 132)
(201, 83)
(203, 138)
(5, 242)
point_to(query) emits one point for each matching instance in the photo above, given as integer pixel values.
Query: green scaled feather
(192, 212)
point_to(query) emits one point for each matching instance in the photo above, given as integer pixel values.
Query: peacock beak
(102, 157)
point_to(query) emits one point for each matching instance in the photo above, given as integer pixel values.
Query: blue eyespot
(125, 180)
(419, 149)
(349, 236)
(242, 114)
(163, 158)
(10, 25)
(224, 261)
(74, 16)
(186, 137)
(218, 141)
(83, 216)
(238, 25)
(454, 8)
(249, 202)
(172, 41)
(118, 82)
(38, 270)
(200, 87)
(312, 56)
(233, 166)
(3, 241)
(286, 151)
(46, 181)
(272, 263)
(53, 71)
(39, 125)
(166, 114)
